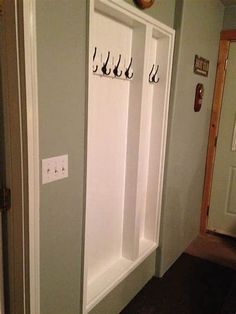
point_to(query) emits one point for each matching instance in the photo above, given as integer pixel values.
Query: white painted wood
(107, 137)
(161, 52)
(86, 243)
(117, 272)
(33, 150)
(1, 270)
(146, 246)
(168, 55)
(144, 144)
(127, 125)
(131, 215)
(106, 279)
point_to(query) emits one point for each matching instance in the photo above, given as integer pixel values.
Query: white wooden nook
(129, 84)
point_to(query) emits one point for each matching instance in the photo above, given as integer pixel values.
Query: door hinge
(5, 199)
(208, 210)
(216, 138)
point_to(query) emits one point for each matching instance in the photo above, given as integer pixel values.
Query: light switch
(54, 168)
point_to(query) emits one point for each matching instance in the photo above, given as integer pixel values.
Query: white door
(222, 211)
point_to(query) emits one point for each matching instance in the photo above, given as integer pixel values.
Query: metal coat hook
(150, 74)
(153, 77)
(156, 79)
(127, 74)
(115, 70)
(94, 56)
(104, 67)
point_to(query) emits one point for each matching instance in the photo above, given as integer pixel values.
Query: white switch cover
(54, 168)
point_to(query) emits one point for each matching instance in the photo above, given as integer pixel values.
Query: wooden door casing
(227, 36)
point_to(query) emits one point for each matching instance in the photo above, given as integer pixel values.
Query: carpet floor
(215, 248)
(191, 286)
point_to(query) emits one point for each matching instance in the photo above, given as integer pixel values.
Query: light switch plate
(54, 168)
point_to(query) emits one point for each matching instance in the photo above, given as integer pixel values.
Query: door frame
(226, 37)
(14, 220)
(31, 91)
(20, 105)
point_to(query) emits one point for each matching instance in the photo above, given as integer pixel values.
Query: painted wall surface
(198, 33)
(230, 18)
(162, 10)
(61, 49)
(61, 41)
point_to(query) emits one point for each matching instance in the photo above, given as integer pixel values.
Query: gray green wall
(198, 32)
(230, 18)
(61, 49)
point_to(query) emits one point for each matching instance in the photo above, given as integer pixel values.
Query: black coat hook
(150, 74)
(115, 71)
(94, 56)
(154, 77)
(127, 74)
(104, 67)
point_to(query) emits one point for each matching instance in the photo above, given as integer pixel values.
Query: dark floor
(215, 248)
(191, 286)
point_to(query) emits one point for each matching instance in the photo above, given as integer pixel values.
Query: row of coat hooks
(105, 69)
(117, 72)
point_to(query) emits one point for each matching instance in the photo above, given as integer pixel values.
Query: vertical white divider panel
(163, 51)
(131, 225)
(90, 64)
(144, 144)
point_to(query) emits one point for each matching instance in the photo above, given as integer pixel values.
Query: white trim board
(33, 150)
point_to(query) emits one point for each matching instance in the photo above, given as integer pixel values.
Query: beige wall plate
(144, 4)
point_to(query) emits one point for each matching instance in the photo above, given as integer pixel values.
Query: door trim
(226, 37)
(15, 229)
(30, 60)
(19, 65)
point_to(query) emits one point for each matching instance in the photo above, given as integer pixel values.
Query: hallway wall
(230, 18)
(198, 32)
(61, 50)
